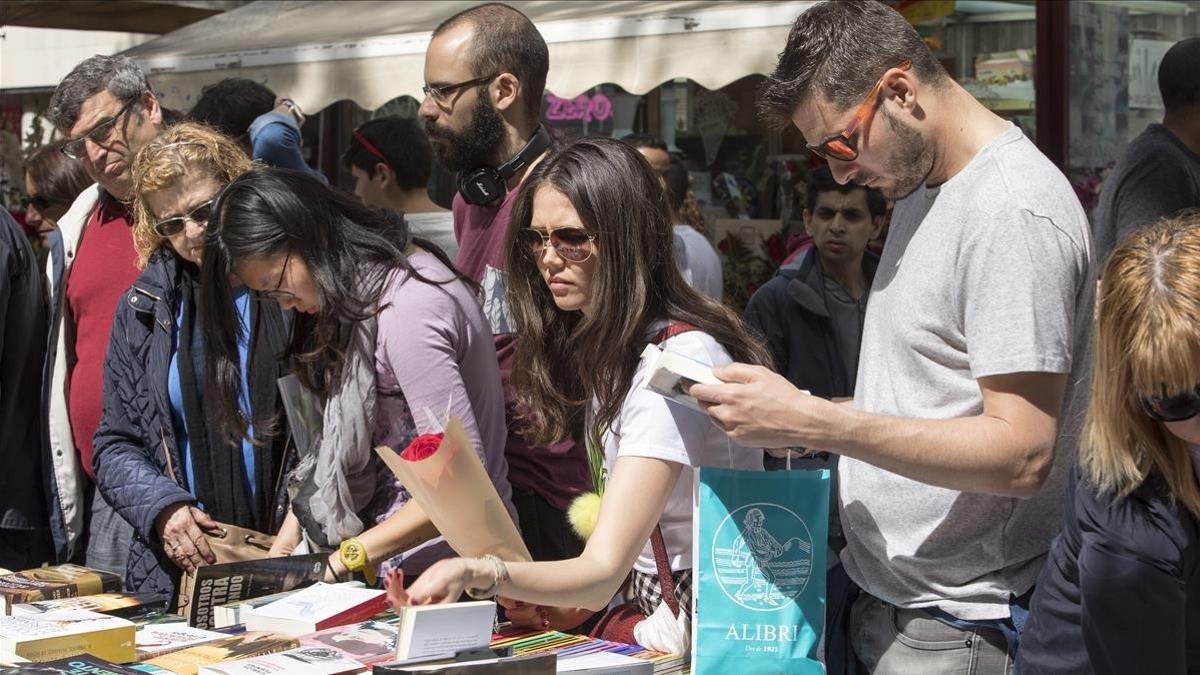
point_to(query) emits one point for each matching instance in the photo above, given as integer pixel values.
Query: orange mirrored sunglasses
(842, 145)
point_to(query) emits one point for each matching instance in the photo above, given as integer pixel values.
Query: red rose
(725, 244)
(422, 447)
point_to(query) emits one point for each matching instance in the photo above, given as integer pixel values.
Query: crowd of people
(1007, 394)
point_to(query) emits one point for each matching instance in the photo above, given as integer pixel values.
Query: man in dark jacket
(811, 313)
(23, 520)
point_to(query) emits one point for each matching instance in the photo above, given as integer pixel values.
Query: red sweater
(105, 267)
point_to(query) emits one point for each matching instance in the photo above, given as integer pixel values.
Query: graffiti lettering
(583, 107)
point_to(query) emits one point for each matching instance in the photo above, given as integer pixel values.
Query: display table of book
(69, 619)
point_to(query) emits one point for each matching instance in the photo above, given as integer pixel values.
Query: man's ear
(505, 90)
(900, 87)
(877, 223)
(150, 109)
(382, 175)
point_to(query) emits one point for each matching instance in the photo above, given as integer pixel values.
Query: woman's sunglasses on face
(573, 244)
(169, 227)
(38, 202)
(1174, 408)
(843, 145)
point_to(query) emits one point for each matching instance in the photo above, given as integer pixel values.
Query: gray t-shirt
(986, 274)
(698, 261)
(1156, 176)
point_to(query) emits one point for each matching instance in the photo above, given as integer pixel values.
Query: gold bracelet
(499, 578)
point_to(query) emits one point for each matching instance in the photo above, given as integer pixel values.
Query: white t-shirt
(698, 261)
(436, 226)
(651, 426)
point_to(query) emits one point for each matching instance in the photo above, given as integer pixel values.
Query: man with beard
(969, 369)
(481, 111)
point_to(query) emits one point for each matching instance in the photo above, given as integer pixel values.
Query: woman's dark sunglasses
(169, 227)
(572, 244)
(38, 202)
(1174, 408)
(843, 145)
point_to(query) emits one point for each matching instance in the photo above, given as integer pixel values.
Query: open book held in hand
(669, 375)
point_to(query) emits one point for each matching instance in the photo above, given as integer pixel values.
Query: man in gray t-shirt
(968, 376)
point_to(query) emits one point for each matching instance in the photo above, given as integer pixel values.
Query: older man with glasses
(107, 112)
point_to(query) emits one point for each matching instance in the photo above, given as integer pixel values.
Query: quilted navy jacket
(138, 465)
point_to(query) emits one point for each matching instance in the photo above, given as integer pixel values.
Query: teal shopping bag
(758, 558)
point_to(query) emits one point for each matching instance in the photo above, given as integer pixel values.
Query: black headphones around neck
(486, 185)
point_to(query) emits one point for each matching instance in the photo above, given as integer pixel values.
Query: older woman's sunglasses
(843, 145)
(573, 244)
(1174, 408)
(169, 227)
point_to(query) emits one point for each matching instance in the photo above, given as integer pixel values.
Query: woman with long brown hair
(1120, 592)
(593, 281)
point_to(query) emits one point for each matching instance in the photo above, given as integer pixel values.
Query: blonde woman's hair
(180, 148)
(1147, 344)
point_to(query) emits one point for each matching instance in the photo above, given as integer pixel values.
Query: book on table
(604, 663)
(317, 607)
(232, 648)
(534, 664)
(300, 661)
(234, 613)
(57, 581)
(428, 632)
(124, 605)
(157, 640)
(80, 664)
(67, 632)
(369, 642)
(230, 582)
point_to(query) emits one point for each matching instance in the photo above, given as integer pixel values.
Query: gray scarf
(337, 476)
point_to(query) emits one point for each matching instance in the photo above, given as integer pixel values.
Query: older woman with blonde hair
(1120, 592)
(158, 462)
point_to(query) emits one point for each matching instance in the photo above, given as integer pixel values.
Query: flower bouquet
(444, 474)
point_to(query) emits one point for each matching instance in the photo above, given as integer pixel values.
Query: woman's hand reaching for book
(181, 530)
(446, 580)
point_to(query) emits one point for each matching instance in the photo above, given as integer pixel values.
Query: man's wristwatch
(354, 557)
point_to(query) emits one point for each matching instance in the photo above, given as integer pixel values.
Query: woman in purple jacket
(1120, 592)
(388, 333)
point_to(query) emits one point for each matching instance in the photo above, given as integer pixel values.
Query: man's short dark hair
(402, 141)
(231, 105)
(506, 41)
(838, 51)
(676, 179)
(821, 180)
(645, 141)
(118, 75)
(1179, 75)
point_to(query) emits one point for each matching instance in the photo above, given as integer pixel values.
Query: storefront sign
(584, 108)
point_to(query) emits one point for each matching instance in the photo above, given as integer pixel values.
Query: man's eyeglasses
(572, 244)
(1175, 408)
(441, 94)
(843, 145)
(370, 147)
(277, 293)
(76, 149)
(169, 227)
(38, 202)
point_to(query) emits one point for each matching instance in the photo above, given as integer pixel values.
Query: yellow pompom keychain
(585, 509)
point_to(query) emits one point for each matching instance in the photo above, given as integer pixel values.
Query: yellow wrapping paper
(456, 493)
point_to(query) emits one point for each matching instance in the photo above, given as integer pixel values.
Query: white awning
(373, 51)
